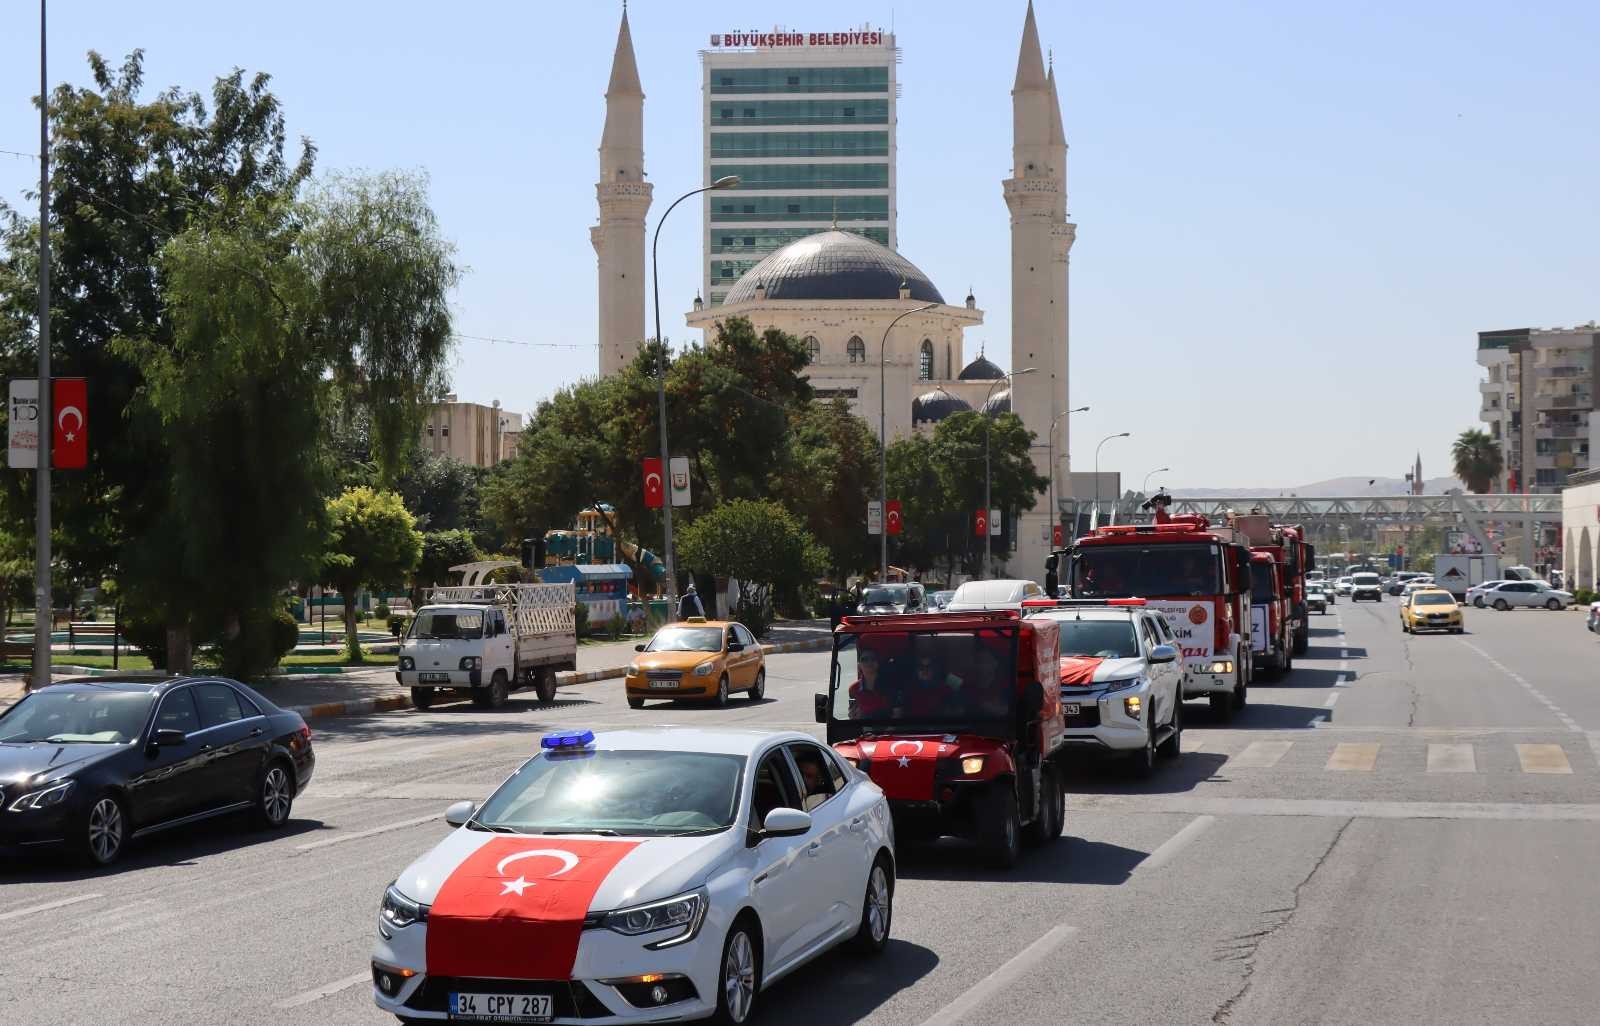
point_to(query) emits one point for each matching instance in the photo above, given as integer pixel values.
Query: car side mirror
(638, 648)
(458, 814)
(786, 823)
(735, 646)
(1163, 654)
(169, 739)
(819, 704)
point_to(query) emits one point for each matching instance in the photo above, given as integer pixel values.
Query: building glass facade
(810, 131)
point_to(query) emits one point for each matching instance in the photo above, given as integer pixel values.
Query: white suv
(1366, 586)
(1121, 678)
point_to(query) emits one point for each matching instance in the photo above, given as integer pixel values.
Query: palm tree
(1476, 460)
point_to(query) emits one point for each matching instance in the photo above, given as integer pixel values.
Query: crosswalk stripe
(1260, 754)
(1543, 759)
(1451, 759)
(1354, 756)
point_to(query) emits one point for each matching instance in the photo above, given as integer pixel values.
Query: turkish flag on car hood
(904, 768)
(1079, 671)
(514, 908)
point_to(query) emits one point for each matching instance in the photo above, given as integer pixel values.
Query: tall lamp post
(988, 423)
(41, 580)
(1055, 511)
(661, 381)
(1095, 520)
(1144, 489)
(883, 447)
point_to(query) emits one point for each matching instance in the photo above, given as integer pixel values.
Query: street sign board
(24, 424)
(892, 515)
(680, 480)
(874, 517)
(997, 524)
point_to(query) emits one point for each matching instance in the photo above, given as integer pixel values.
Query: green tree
(442, 550)
(444, 493)
(930, 529)
(758, 543)
(1476, 460)
(372, 541)
(829, 473)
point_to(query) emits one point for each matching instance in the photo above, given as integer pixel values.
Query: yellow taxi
(1429, 609)
(698, 658)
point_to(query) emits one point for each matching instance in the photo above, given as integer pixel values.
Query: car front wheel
(1553, 604)
(1502, 605)
(736, 990)
(105, 830)
(877, 911)
(275, 797)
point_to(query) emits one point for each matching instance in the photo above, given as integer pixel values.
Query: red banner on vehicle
(904, 769)
(1079, 671)
(514, 908)
(69, 405)
(653, 488)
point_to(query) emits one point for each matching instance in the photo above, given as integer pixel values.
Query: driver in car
(869, 699)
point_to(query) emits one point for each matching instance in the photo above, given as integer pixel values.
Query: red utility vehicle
(957, 717)
(1287, 545)
(1271, 638)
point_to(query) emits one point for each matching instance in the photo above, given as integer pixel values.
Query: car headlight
(400, 911)
(1132, 705)
(633, 669)
(972, 765)
(471, 663)
(683, 913)
(1222, 666)
(705, 669)
(407, 663)
(44, 798)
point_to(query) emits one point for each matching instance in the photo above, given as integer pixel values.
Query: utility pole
(41, 582)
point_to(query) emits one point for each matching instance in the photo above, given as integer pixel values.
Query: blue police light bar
(567, 739)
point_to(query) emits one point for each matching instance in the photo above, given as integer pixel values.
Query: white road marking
(1332, 701)
(1566, 721)
(1176, 843)
(1454, 758)
(358, 835)
(1344, 653)
(326, 990)
(47, 906)
(1340, 809)
(970, 1006)
(1543, 759)
(1353, 757)
(1260, 755)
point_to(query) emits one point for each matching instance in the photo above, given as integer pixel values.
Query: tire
(1052, 808)
(1172, 747)
(722, 692)
(275, 795)
(103, 834)
(1001, 837)
(499, 690)
(1302, 638)
(1502, 605)
(1142, 764)
(422, 698)
(758, 690)
(1458, 630)
(1554, 605)
(1240, 695)
(635, 703)
(1477, 601)
(544, 685)
(738, 976)
(877, 910)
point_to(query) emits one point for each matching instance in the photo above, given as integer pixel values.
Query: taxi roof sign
(567, 739)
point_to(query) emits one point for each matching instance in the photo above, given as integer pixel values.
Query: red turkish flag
(514, 908)
(981, 524)
(653, 491)
(1057, 537)
(892, 515)
(69, 403)
(905, 769)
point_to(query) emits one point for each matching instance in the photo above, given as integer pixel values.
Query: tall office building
(1541, 403)
(807, 122)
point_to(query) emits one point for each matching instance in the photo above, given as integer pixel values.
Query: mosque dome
(833, 265)
(998, 403)
(981, 369)
(936, 405)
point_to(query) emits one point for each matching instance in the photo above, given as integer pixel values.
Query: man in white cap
(689, 605)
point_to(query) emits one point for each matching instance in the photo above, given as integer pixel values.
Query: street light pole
(883, 448)
(1055, 511)
(1094, 521)
(988, 422)
(661, 385)
(41, 579)
(1144, 489)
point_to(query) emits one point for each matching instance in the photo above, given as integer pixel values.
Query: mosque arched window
(813, 350)
(857, 349)
(925, 366)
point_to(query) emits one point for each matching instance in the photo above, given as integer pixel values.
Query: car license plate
(663, 683)
(502, 1007)
(433, 678)
(1074, 709)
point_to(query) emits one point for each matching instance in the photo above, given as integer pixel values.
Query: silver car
(1527, 594)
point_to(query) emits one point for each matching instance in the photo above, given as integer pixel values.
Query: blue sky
(1292, 218)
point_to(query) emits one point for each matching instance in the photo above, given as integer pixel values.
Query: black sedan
(91, 766)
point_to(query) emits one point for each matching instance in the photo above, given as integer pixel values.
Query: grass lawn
(337, 660)
(139, 662)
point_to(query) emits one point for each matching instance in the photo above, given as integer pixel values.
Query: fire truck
(1286, 544)
(1198, 575)
(1271, 636)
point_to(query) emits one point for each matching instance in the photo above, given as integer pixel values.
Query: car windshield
(1423, 598)
(77, 715)
(617, 792)
(686, 639)
(886, 595)
(928, 679)
(447, 625)
(1104, 639)
(1124, 571)
(1262, 583)
(1366, 579)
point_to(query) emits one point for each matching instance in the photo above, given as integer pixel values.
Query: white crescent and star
(653, 477)
(568, 860)
(903, 760)
(61, 422)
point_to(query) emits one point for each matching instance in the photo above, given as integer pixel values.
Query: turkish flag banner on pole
(1056, 535)
(69, 449)
(654, 493)
(981, 523)
(893, 516)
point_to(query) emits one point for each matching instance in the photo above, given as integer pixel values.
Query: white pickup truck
(485, 641)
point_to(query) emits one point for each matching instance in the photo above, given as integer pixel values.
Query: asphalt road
(1404, 831)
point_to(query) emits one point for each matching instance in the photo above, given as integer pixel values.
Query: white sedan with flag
(639, 876)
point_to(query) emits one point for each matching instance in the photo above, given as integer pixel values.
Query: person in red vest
(869, 699)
